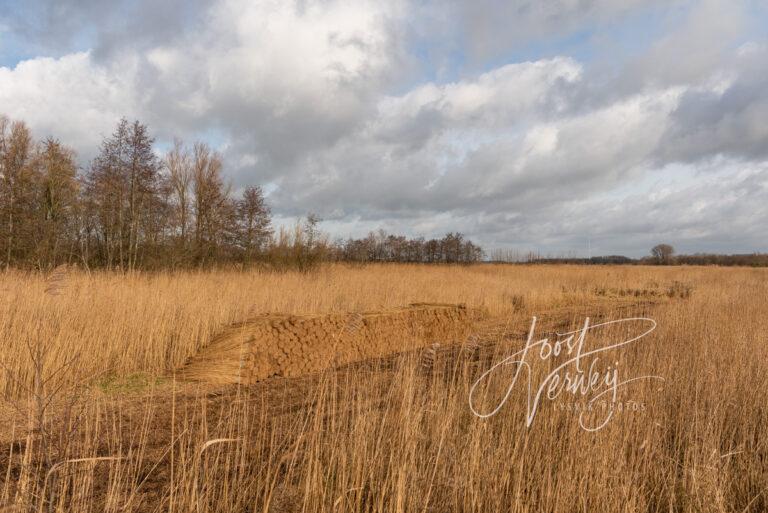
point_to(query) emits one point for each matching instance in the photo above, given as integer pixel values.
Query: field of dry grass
(95, 420)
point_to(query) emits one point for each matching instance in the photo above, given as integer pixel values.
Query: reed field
(97, 415)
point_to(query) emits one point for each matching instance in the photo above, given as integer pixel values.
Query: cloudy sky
(552, 125)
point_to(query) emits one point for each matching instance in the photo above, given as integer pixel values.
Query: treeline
(596, 260)
(747, 260)
(381, 247)
(132, 209)
(664, 254)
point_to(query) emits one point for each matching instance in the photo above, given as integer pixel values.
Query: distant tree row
(595, 260)
(131, 209)
(381, 247)
(664, 254)
(747, 259)
(661, 254)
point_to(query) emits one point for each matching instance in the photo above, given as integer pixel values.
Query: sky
(566, 127)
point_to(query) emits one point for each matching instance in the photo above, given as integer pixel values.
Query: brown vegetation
(386, 434)
(294, 345)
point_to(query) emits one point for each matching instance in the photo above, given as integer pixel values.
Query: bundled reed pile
(293, 345)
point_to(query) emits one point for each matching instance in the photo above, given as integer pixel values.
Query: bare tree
(210, 200)
(16, 187)
(178, 162)
(662, 253)
(59, 202)
(254, 220)
(451, 246)
(144, 189)
(123, 192)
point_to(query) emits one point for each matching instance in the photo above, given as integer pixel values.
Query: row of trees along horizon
(131, 209)
(660, 254)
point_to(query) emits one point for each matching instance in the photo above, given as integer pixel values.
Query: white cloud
(69, 98)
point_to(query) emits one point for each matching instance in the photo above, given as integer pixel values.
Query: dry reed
(391, 435)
